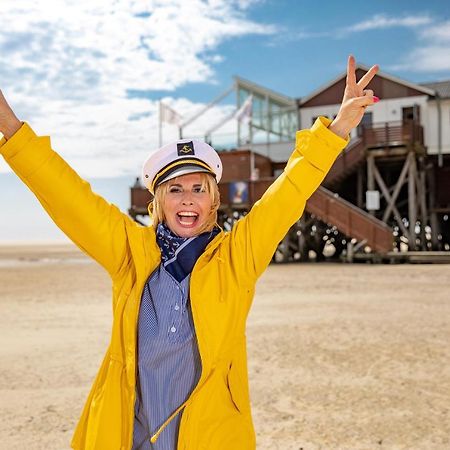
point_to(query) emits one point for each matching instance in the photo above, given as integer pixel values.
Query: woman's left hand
(355, 101)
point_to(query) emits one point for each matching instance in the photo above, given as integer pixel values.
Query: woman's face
(186, 206)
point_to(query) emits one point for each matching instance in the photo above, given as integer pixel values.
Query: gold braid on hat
(184, 161)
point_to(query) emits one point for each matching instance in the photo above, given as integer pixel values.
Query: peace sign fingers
(367, 78)
(356, 99)
(351, 72)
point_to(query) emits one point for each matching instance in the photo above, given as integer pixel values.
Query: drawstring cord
(221, 286)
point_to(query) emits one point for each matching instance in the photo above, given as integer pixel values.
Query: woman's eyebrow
(179, 185)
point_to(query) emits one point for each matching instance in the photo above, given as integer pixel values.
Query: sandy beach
(340, 356)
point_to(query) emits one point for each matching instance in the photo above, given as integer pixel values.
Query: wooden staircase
(347, 163)
(350, 220)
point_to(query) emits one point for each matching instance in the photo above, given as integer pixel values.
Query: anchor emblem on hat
(185, 149)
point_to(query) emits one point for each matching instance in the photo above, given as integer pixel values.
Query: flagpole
(238, 107)
(160, 123)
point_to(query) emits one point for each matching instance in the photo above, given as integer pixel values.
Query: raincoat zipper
(155, 436)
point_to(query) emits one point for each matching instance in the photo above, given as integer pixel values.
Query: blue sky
(90, 73)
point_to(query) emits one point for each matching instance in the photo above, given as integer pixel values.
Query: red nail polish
(375, 99)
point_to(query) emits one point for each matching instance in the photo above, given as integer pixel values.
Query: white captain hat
(180, 158)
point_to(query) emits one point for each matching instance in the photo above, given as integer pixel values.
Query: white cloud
(438, 32)
(433, 58)
(432, 55)
(381, 21)
(66, 68)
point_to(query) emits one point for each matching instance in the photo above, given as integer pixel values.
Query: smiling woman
(175, 373)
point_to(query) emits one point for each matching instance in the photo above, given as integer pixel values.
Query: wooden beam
(412, 199)
(360, 188)
(422, 203)
(386, 194)
(398, 187)
(370, 177)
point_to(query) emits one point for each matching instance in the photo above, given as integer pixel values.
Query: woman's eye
(174, 189)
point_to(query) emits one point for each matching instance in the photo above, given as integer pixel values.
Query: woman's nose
(187, 199)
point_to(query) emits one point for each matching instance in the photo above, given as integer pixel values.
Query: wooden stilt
(370, 176)
(360, 188)
(412, 207)
(434, 222)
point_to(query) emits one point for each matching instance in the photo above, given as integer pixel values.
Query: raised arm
(9, 123)
(94, 225)
(256, 236)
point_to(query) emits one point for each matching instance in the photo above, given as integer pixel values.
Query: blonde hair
(208, 183)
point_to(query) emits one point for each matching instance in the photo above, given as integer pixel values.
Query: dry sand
(340, 356)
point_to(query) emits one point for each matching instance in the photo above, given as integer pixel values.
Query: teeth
(187, 214)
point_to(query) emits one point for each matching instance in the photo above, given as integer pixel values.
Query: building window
(366, 122)
(411, 113)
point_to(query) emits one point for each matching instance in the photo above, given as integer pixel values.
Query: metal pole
(208, 106)
(268, 120)
(160, 124)
(238, 105)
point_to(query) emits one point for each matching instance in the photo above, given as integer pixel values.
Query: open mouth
(187, 218)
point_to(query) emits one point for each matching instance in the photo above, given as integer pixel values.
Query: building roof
(442, 88)
(263, 91)
(418, 87)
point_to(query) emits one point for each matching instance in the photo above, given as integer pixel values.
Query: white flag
(244, 113)
(168, 115)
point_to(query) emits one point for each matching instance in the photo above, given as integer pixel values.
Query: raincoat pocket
(238, 393)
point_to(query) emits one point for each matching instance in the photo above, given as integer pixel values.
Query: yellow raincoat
(217, 414)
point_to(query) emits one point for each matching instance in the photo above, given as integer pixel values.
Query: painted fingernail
(375, 99)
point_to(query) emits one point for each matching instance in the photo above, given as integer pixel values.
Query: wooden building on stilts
(387, 197)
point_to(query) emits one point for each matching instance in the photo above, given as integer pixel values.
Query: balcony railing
(389, 134)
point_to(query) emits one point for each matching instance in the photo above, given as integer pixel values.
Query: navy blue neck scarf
(178, 254)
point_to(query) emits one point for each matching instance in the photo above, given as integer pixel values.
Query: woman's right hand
(9, 123)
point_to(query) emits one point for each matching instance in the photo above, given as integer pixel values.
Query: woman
(175, 374)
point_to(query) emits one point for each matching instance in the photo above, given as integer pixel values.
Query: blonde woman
(175, 373)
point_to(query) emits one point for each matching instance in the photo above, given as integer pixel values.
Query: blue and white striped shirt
(169, 363)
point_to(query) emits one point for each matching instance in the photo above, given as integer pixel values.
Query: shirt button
(173, 329)
(177, 307)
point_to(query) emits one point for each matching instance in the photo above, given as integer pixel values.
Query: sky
(91, 73)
